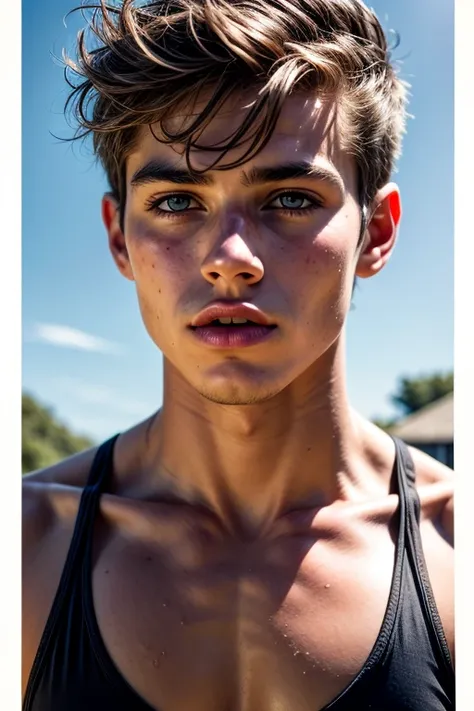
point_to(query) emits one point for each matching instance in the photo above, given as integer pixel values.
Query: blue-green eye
(172, 205)
(176, 203)
(293, 201)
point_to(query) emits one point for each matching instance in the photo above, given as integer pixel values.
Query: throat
(249, 465)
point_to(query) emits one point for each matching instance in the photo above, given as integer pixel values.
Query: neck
(251, 464)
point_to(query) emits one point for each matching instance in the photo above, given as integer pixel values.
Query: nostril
(229, 275)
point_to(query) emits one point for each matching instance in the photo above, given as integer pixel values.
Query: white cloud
(67, 337)
(100, 396)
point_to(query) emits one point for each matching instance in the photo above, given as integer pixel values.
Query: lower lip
(233, 336)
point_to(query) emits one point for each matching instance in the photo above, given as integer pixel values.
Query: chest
(203, 623)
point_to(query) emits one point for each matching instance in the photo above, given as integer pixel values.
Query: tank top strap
(101, 466)
(405, 471)
(101, 469)
(414, 550)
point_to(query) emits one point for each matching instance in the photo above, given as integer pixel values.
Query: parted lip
(228, 309)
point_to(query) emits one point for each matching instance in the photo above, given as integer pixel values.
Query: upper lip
(223, 309)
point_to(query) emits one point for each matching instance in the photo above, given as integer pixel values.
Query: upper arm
(447, 519)
(37, 525)
(435, 483)
(49, 508)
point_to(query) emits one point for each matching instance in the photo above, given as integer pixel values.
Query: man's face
(252, 235)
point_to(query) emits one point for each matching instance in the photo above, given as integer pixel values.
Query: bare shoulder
(434, 480)
(50, 503)
(435, 484)
(51, 499)
(43, 491)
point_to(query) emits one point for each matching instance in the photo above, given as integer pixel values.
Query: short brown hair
(150, 58)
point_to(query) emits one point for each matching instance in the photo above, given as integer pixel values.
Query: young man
(255, 545)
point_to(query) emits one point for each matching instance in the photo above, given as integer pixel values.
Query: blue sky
(86, 352)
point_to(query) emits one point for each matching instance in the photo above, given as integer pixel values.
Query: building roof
(433, 424)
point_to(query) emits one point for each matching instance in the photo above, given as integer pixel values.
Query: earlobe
(381, 233)
(117, 243)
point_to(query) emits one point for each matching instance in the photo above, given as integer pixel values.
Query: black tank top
(408, 669)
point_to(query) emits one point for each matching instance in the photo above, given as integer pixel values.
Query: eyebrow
(162, 171)
(292, 171)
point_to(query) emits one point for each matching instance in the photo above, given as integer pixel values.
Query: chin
(239, 386)
(236, 396)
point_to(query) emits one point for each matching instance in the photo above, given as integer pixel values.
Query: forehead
(308, 129)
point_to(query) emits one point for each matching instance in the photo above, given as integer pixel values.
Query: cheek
(330, 248)
(320, 272)
(161, 272)
(333, 251)
(157, 259)
(323, 262)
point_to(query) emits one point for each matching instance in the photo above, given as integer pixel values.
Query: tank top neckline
(388, 621)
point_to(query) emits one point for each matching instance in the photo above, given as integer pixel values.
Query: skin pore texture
(247, 535)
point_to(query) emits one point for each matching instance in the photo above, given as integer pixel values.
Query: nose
(232, 262)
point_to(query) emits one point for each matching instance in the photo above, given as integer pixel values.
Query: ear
(117, 244)
(381, 233)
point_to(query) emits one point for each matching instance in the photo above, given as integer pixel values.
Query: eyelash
(153, 203)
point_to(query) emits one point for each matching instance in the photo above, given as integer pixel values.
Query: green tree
(414, 393)
(45, 440)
